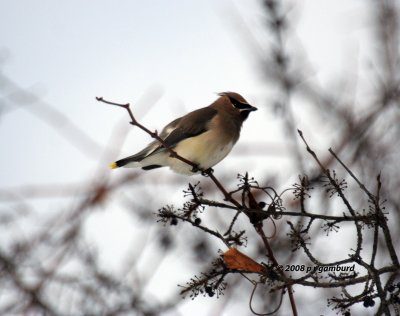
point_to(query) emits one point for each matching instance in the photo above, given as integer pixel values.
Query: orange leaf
(234, 259)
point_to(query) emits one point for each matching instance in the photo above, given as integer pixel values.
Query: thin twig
(173, 154)
(271, 256)
(209, 173)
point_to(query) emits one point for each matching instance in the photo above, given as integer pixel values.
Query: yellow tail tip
(113, 165)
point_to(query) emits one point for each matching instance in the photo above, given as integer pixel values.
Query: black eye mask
(240, 105)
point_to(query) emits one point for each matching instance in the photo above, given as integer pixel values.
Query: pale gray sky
(69, 52)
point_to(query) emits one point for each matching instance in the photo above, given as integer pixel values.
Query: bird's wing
(190, 125)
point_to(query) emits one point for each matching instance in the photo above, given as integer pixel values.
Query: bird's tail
(128, 160)
(146, 159)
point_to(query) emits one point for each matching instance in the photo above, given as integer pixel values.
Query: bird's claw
(207, 172)
(195, 169)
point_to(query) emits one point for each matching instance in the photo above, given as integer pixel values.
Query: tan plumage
(204, 136)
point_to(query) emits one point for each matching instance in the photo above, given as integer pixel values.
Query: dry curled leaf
(234, 259)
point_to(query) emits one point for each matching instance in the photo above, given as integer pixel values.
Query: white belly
(200, 150)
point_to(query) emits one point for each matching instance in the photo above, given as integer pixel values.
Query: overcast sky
(67, 53)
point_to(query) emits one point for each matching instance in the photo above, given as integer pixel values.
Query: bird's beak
(252, 108)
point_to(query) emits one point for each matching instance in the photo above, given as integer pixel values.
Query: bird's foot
(195, 169)
(207, 172)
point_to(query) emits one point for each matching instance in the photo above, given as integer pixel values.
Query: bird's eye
(240, 105)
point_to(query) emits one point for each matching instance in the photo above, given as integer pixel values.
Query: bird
(204, 136)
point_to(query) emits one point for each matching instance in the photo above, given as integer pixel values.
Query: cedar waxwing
(204, 136)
